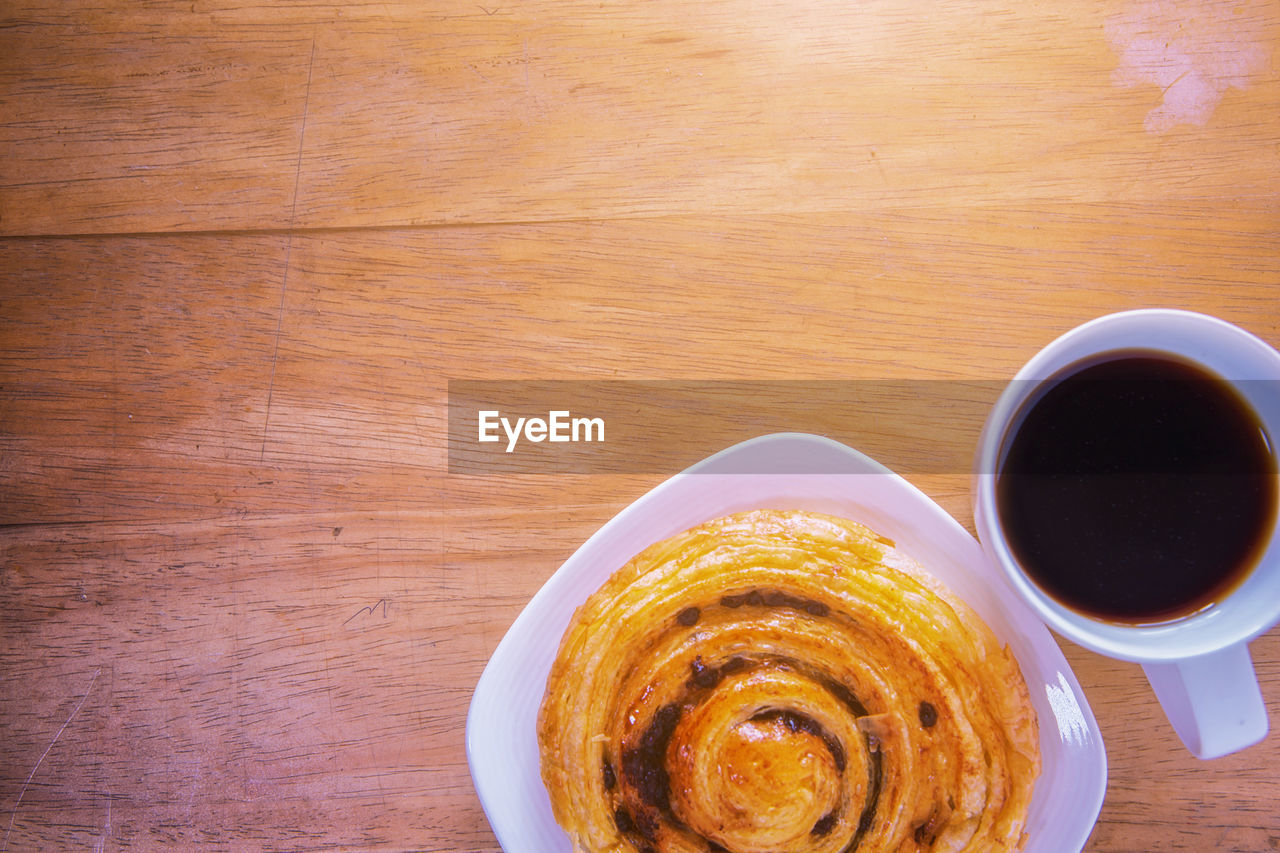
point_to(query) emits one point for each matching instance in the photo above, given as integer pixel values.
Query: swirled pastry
(784, 681)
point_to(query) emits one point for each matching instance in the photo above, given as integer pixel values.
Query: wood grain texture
(250, 374)
(244, 247)
(196, 115)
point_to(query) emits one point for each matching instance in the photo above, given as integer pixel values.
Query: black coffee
(1137, 487)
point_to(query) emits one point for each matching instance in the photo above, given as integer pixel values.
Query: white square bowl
(780, 471)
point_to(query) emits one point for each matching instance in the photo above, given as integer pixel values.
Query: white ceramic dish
(785, 471)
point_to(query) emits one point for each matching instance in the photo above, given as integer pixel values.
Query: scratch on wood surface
(363, 611)
(100, 844)
(22, 793)
(288, 248)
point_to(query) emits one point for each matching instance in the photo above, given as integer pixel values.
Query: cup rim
(1203, 632)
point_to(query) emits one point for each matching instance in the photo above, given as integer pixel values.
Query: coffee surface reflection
(1137, 487)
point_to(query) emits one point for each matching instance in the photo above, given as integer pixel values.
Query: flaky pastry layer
(784, 681)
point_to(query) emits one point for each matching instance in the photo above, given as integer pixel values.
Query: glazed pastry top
(784, 681)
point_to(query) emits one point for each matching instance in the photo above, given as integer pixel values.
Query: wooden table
(243, 599)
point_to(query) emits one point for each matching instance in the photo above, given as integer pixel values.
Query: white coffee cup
(1198, 665)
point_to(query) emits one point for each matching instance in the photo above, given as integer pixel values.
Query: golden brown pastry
(784, 681)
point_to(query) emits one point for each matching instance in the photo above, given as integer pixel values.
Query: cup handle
(1213, 701)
